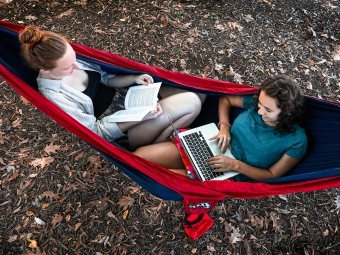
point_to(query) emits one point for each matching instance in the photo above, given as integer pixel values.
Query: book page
(133, 111)
(140, 96)
(132, 114)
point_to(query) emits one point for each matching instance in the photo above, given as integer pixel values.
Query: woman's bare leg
(179, 171)
(164, 154)
(182, 109)
(166, 91)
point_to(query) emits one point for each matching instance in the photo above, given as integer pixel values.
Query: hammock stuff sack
(320, 169)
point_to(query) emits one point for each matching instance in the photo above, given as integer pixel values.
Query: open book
(139, 101)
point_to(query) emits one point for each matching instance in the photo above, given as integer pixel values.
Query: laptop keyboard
(201, 152)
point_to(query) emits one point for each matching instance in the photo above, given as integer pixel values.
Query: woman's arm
(224, 106)
(281, 167)
(117, 81)
(121, 81)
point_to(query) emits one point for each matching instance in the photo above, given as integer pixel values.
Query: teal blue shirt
(255, 143)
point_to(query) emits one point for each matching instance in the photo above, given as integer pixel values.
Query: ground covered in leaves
(58, 196)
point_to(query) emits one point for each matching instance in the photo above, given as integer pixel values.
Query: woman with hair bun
(266, 139)
(90, 95)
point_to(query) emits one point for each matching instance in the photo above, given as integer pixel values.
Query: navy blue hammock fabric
(320, 168)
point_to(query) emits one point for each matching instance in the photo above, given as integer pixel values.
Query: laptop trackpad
(216, 151)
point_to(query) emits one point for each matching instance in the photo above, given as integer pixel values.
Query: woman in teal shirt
(266, 140)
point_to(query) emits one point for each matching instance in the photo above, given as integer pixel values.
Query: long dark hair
(290, 101)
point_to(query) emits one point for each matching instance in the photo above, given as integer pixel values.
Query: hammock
(320, 169)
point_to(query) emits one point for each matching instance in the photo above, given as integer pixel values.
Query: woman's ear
(44, 71)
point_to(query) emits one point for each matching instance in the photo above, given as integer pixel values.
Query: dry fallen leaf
(234, 25)
(32, 243)
(283, 197)
(185, 26)
(218, 67)
(194, 32)
(68, 217)
(12, 238)
(125, 202)
(16, 123)
(241, 215)
(79, 156)
(337, 203)
(125, 214)
(237, 78)
(235, 236)
(267, 2)
(30, 17)
(13, 176)
(219, 27)
(5, 1)
(46, 205)
(81, 2)
(77, 226)
(247, 247)
(56, 219)
(94, 161)
(51, 148)
(66, 13)
(29, 213)
(165, 20)
(103, 203)
(61, 200)
(25, 222)
(309, 85)
(326, 232)
(183, 63)
(24, 100)
(2, 137)
(160, 49)
(257, 221)
(337, 53)
(248, 18)
(25, 184)
(276, 222)
(98, 31)
(111, 215)
(50, 195)
(191, 40)
(42, 161)
(227, 227)
(79, 243)
(211, 248)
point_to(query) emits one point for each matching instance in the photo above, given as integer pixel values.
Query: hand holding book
(139, 101)
(154, 113)
(144, 79)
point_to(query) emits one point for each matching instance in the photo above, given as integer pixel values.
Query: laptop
(198, 149)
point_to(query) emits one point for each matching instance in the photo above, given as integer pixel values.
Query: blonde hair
(41, 49)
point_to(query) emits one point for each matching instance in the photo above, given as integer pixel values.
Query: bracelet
(225, 123)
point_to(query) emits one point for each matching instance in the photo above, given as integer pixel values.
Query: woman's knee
(193, 102)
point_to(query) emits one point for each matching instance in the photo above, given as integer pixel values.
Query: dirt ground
(242, 41)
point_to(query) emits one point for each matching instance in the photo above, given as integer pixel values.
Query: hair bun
(30, 35)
